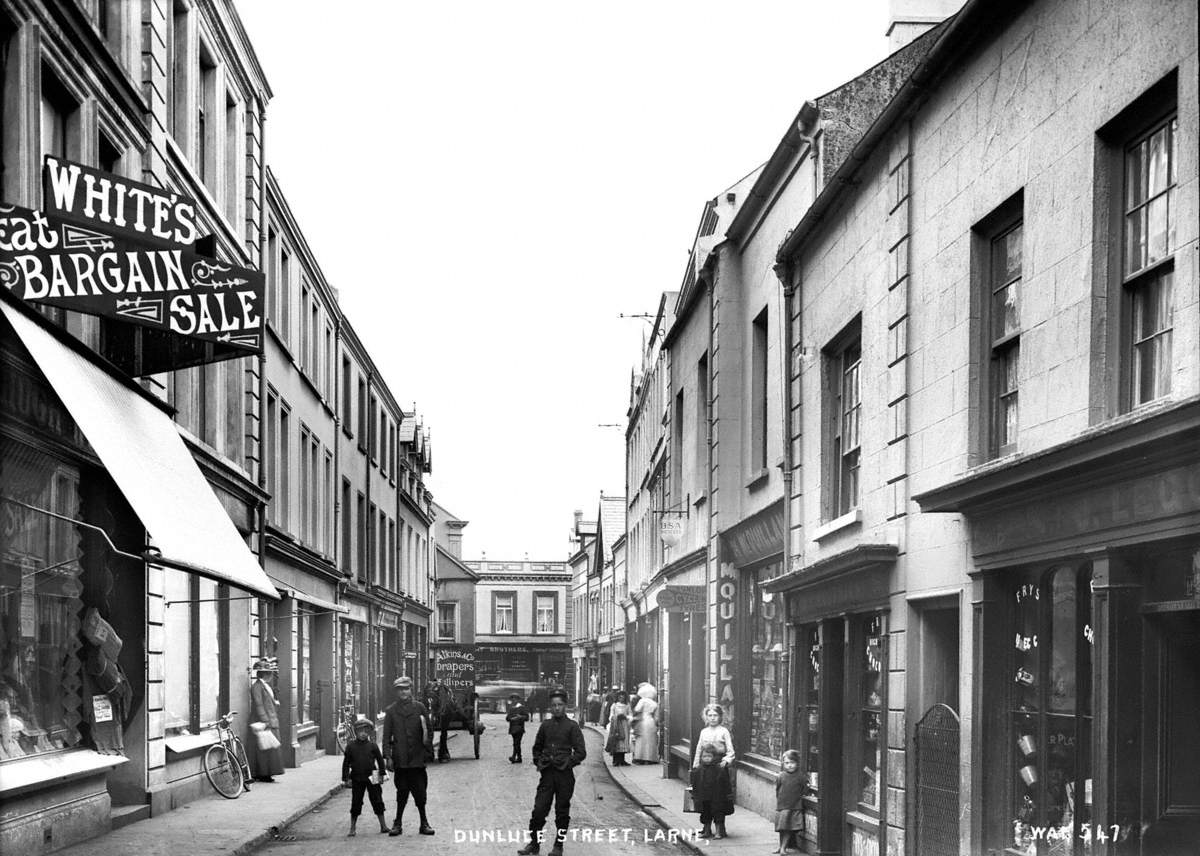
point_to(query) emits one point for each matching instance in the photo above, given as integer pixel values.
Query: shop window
(194, 626)
(809, 710)
(267, 643)
(39, 606)
(1049, 746)
(304, 682)
(768, 688)
(447, 626)
(353, 652)
(870, 688)
(504, 612)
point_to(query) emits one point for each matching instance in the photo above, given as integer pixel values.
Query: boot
(425, 829)
(396, 829)
(530, 849)
(706, 832)
(720, 833)
(353, 827)
(557, 849)
(383, 827)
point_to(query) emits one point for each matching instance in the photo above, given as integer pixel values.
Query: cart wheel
(476, 726)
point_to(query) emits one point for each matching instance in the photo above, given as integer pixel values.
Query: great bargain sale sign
(125, 250)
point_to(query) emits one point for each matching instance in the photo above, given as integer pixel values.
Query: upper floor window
(758, 393)
(1148, 228)
(503, 612)
(1005, 316)
(347, 396)
(843, 394)
(447, 621)
(546, 605)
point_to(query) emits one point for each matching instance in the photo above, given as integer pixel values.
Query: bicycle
(225, 762)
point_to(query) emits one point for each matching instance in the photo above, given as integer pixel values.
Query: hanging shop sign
(45, 259)
(119, 207)
(454, 665)
(682, 599)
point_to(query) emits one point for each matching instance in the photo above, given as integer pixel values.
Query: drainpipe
(787, 279)
(710, 502)
(262, 358)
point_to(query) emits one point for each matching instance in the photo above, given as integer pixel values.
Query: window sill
(757, 479)
(349, 434)
(863, 821)
(850, 518)
(190, 744)
(40, 771)
(306, 729)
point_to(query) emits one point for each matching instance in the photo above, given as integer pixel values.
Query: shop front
(354, 665)
(1087, 605)
(837, 716)
(753, 652)
(97, 710)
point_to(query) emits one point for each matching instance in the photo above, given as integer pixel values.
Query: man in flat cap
(557, 750)
(408, 744)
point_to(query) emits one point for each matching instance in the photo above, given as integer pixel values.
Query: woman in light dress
(645, 725)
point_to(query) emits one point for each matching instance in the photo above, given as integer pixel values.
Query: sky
(491, 185)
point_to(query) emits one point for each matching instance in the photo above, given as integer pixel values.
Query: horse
(444, 709)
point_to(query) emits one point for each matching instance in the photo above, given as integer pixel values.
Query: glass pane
(1012, 243)
(766, 664)
(210, 654)
(871, 750)
(1063, 636)
(1009, 405)
(813, 705)
(1157, 169)
(1061, 741)
(872, 717)
(1026, 764)
(1006, 310)
(177, 626)
(1135, 175)
(1028, 601)
(1156, 239)
(1135, 240)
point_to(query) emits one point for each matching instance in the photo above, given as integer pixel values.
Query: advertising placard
(455, 666)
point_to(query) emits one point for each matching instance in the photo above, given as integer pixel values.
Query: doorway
(934, 764)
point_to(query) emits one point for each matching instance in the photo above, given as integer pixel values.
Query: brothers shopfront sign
(124, 250)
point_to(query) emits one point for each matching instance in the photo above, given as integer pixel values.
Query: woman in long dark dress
(266, 763)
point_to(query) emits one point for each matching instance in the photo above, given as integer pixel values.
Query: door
(1171, 750)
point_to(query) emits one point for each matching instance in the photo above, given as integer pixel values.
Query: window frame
(841, 463)
(553, 596)
(511, 594)
(453, 637)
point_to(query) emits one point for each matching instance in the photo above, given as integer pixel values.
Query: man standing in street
(408, 743)
(557, 750)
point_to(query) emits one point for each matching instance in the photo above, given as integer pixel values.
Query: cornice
(281, 545)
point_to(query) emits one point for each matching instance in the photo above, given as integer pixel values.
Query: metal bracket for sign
(687, 508)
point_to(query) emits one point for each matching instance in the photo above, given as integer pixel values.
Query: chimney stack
(912, 18)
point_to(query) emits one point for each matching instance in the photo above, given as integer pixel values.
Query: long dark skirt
(265, 762)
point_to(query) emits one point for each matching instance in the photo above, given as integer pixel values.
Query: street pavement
(475, 806)
(483, 807)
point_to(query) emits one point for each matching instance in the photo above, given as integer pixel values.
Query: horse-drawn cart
(451, 696)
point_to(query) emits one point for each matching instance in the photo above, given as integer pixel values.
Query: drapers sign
(124, 250)
(455, 666)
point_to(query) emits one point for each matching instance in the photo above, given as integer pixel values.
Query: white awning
(141, 449)
(313, 600)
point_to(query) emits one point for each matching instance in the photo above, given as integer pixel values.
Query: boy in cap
(517, 715)
(408, 743)
(557, 749)
(361, 759)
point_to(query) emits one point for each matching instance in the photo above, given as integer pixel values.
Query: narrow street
(477, 806)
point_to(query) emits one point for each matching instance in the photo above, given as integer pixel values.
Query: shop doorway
(1170, 751)
(935, 768)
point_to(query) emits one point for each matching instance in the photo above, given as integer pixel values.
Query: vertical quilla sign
(120, 249)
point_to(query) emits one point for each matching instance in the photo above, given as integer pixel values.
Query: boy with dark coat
(516, 716)
(408, 743)
(360, 760)
(557, 750)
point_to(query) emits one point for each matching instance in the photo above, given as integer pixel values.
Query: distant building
(521, 623)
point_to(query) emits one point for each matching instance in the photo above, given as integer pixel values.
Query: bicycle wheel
(342, 736)
(239, 752)
(223, 771)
